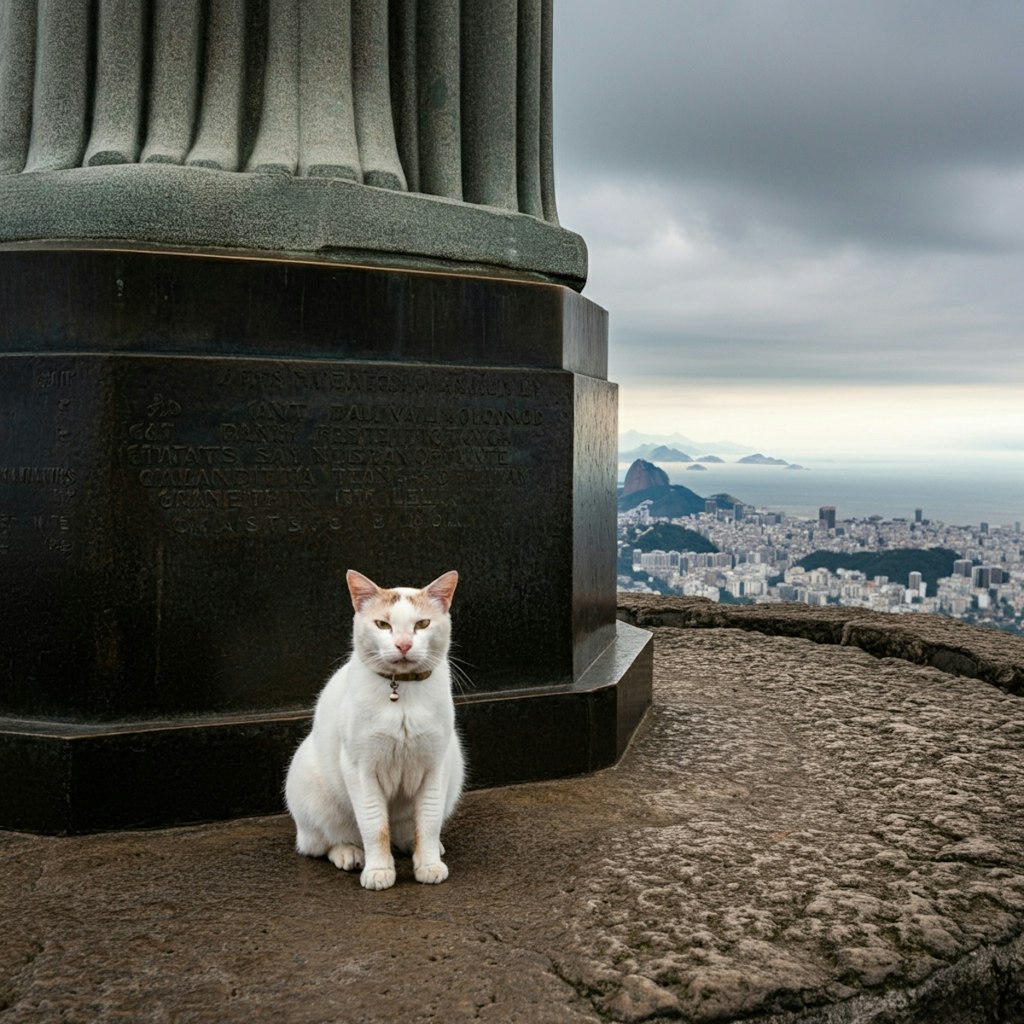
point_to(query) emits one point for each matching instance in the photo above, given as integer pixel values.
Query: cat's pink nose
(403, 644)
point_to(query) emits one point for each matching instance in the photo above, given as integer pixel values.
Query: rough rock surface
(951, 646)
(798, 832)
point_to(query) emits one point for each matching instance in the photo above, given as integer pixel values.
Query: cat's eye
(382, 624)
(423, 623)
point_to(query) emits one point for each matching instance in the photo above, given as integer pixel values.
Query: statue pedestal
(195, 448)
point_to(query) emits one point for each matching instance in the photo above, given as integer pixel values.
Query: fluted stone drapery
(246, 124)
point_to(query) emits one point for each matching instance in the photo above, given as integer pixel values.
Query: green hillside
(669, 537)
(932, 563)
(672, 502)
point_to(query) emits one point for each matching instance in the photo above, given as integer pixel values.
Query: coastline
(959, 490)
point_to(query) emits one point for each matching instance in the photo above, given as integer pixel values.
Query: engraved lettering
(161, 407)
(308, 445)
(258, 433)
(181, 455)
(150, 431)
(45, 380)
(37, 475)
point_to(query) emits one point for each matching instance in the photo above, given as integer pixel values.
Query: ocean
(960, 491)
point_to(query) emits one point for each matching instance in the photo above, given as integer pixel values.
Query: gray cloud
(781, 360)
(862, 121)
(802, 190)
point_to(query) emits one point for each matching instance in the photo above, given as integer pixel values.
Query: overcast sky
(805, 217)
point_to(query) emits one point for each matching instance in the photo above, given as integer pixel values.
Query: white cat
(382, 765)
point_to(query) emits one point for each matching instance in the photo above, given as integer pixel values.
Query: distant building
(985, 576)
(827, 517)
(758, 549)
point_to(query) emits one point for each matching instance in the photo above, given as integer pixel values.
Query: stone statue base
(313, 218)
(195, 450)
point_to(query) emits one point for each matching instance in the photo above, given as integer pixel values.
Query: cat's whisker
(461, 681)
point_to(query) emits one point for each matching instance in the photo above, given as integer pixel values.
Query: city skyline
(756, 555)
(806, 221)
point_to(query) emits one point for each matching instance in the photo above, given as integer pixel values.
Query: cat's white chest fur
(377, 772)
(398, 741)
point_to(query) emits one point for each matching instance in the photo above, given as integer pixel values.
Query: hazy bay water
(961, 490)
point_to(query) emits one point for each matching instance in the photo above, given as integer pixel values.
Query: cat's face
(401, 629)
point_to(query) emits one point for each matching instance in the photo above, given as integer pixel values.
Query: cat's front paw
(431, 874)
(346, 856)
(377, 878)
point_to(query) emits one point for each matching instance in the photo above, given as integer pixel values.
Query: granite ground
(799, 831)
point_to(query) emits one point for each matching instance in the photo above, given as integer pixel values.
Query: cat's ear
(443, 589)
(361, 588)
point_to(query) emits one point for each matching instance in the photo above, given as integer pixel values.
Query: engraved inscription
(297, 449)
(39, 487)
(47, 380)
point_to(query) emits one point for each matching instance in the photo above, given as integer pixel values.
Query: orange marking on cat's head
(422, 603)
(362, 590)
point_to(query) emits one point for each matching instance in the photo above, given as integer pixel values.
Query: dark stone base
(193, 451)
(66, 779)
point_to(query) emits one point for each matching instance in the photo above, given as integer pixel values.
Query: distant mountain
(671, 502)
(633, 444)
(795, 465)
(761, 460)
(656, 453)
(646, 482)
(641, 451)
(665, 454)
(710, 458)
(634, 439)
(932, 563)
(643, 476)
(697, 465)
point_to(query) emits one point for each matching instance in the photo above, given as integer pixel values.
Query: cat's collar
(405, 677)
(402, 677)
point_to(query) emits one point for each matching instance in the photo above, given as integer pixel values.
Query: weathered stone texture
(943, 643)
(797, 833)
(816, 830)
